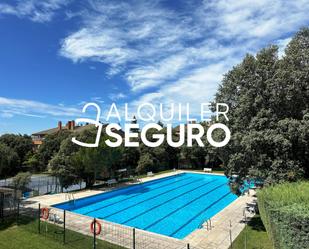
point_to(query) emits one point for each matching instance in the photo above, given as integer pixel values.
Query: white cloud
(166, 50)
(6, 115)
(35, 10)
(282, 43)
(143, 40)
(159, 48)
(97, 99)
(12, 107)
(116, 96)
(165, 54)
(153, 75)
(197, 87)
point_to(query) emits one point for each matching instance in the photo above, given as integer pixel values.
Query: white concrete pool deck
(217, 237)
(228, 220)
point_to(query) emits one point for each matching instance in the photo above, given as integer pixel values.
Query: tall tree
(21, 144)
(9, 161)
(50, 147)
(268, 99)
(73, 163)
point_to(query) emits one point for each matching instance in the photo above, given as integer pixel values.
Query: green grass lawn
(256, 235)
(26, 236)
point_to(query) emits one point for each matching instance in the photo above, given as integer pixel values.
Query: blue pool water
(173, 206)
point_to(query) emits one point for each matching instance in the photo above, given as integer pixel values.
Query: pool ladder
(208, 224)
(70, 197)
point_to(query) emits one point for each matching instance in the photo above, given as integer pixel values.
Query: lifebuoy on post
(45, 213)
(98, 227)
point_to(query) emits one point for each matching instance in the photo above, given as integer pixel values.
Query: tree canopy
(268, 118)
(9, 161)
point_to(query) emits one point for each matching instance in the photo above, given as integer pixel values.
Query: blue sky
(55, 55)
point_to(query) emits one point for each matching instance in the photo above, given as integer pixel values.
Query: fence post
(133, 238)
(39, 218)
(17, 216)
(2, 206)
(188, 246)
(64, 215)
(94, 234)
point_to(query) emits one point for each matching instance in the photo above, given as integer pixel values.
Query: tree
(32, 163)
(269, 102)
(9, 161)
(162, 157)
(73, 163)
(196, 155)
(21, 180)
(129, 157)
(50, 147)
(21, 144)
(145, 163)
(62, 167)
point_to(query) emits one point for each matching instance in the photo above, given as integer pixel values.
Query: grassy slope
(25, 235)
(256, 234)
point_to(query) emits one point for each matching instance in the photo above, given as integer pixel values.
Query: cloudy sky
(55, 55)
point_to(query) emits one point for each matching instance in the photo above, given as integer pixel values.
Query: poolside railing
(64, 225)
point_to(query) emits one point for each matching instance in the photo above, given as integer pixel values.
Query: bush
(21, 180)
(284, 210)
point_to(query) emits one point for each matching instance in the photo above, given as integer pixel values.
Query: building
(38, 137)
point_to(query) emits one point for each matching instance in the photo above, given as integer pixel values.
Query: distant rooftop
(70, 126)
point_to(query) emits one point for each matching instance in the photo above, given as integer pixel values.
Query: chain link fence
(42, 184)
(8, 204)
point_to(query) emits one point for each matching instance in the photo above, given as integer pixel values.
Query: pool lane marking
(110, 194)
(106, 195)
(204, 210)
(136, 195)
(183, 206)
(163, 203)
(152, 197)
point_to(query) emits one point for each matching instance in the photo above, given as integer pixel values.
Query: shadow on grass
(49, 233)
(10, 221)
(256, 224)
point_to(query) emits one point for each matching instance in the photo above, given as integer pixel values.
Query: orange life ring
(45, 213)
(98, 227)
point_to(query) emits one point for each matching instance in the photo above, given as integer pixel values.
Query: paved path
(218, 237)
(53, 199)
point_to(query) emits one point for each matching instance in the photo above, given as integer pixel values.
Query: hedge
(284, 211)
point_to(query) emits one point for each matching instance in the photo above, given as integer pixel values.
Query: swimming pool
(173, 206)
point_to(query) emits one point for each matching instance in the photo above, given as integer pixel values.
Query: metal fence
(70, 228)
(42, 184)
(8, 205)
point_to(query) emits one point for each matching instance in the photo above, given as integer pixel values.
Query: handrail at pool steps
(208, 224)
(70, 197)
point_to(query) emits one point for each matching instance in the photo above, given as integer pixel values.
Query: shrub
(284, 210)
